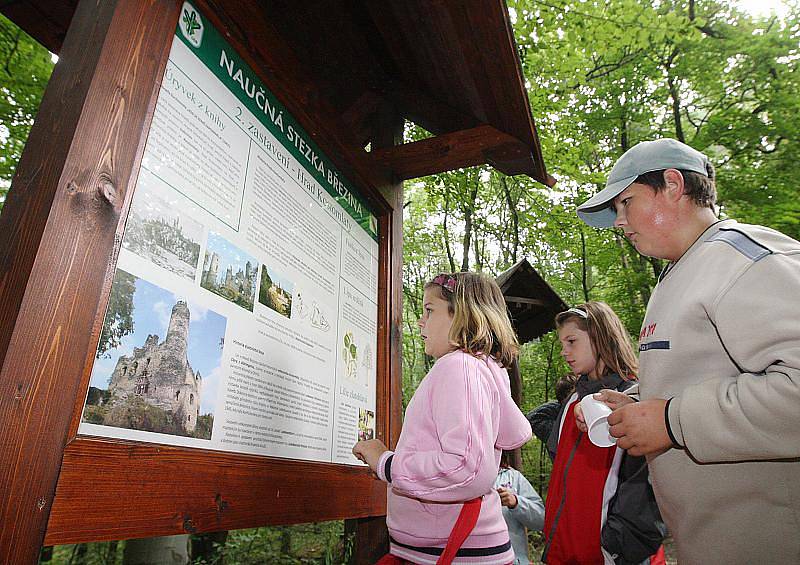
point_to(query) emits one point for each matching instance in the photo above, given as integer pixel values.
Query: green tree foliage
(603, 76)
(118, 321)
(25, 68)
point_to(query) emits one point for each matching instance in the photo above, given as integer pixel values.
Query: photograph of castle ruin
(275, 291)
(159, 231)
(229, 272)
(162, 375)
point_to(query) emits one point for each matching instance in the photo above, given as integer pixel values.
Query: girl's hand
(369, 451)
(580, 423)
(612, 399)
(507, 497)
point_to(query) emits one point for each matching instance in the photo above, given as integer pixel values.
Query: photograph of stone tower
(160, 373)
(229, 272)
(153, 384)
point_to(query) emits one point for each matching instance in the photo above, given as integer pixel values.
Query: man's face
(648, 219)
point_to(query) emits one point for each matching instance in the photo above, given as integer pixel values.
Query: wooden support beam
(522, 300)
(60, 222)
(361, 115)
(427, 112)
(465, 148)
(371, 537)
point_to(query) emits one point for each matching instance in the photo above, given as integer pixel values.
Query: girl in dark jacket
(585, 477)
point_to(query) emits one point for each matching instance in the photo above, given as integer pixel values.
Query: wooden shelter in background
(533, 305)
(352, 72)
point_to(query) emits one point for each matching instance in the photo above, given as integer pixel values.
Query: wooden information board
(201, 298)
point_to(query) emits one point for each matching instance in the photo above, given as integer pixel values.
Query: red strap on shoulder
(465, 523)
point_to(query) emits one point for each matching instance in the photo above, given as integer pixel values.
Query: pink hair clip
(447, 282)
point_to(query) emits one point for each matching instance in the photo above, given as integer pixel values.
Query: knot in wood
(106, 189)
(222, 505)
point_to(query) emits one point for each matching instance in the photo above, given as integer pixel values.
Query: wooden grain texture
(371, 535)
(118, 490)
(60, 223)
(370, 539)
(389, 133)
(447, 151)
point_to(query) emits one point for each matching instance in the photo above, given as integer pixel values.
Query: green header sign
(223, 61)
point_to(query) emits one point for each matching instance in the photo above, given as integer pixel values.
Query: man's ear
(674, 185)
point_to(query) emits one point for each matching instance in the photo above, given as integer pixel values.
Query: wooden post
(371, 536)
(59, 226)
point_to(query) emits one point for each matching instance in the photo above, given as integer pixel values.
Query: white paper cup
(595, 414)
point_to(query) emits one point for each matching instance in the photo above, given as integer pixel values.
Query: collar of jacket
(585, 385)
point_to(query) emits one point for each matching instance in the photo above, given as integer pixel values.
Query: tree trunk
(512, 209)
(469, 211)
(623, 130)
(584, 268)
(209, 547)
(515, 378)
(446, 234)
(675, 95)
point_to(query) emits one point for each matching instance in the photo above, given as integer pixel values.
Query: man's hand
(640, 427)
(369, 451)
(507, 497)
(612, 398)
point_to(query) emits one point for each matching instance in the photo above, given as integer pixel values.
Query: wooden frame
(65, 215)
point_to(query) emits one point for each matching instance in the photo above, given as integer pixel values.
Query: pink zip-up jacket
(457, 424)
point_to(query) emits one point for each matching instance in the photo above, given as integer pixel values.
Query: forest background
(601, 76)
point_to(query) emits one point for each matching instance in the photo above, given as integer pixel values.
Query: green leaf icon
(190, 20)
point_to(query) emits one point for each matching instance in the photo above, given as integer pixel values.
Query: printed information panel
(243, 312)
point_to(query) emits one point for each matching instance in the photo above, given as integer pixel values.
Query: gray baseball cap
(642, 158)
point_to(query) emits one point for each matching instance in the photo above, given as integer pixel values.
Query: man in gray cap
(719, 360)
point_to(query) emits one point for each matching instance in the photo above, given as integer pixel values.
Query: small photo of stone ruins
(158, 362)
(276, 291)
(159, 231)
(229, 272)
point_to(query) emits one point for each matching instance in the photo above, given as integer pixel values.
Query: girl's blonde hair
(480, 318)
(608, 337)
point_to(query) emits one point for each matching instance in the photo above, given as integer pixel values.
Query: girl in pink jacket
(456, 426)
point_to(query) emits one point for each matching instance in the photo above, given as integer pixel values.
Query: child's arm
(529, 510)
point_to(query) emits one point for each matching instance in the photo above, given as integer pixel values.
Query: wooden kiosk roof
(532, 303)
(451, 67)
